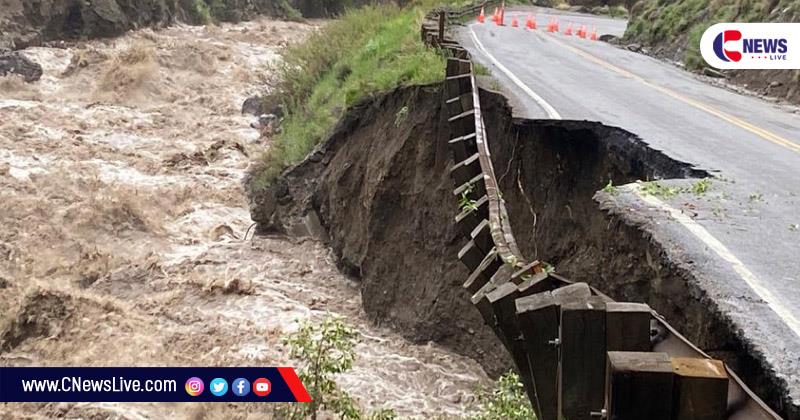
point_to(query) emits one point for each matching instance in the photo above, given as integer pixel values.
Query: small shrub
(505, 401)
(200, 12)
(480, 70)
(610, 188)
(324, 349)
(701, 186)
(655, 189)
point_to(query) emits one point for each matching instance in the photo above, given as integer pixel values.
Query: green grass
(655, 189)
(656, 22)
(366, 51)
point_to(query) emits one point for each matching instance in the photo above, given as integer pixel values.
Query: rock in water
(16, 63)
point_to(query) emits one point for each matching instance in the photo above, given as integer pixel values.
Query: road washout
(388, 208)
(125, 222)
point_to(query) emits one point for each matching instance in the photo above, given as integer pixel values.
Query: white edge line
(551, 112)
(723, 252)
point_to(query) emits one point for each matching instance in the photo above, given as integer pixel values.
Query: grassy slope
(659, 22)
(672, 28)
(366, 51)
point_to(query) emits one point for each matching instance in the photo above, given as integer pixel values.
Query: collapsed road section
(388, 207)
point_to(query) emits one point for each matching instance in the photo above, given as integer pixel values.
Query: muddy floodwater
(123, 222)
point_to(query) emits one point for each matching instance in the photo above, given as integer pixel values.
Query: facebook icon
(240, 387)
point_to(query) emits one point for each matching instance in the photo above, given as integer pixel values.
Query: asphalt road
(744, 234)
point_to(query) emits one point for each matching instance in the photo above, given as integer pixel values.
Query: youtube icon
(262, 387)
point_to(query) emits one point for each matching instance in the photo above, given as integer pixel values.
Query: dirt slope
(381, 190)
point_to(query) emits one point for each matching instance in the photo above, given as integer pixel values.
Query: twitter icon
(218, 387)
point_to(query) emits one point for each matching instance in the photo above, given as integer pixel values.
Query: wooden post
(583, 358)
(701, 389)
(441, 26)
(639, 386)
(538, 321)
(627, 326)
(503, 300)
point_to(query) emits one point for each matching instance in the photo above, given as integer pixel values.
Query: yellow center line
(765, 134)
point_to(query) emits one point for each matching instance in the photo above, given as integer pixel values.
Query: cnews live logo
(752, 46)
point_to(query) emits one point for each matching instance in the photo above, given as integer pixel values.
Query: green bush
(507, 400)
(200, 12)
(366, 51)
(325, 349)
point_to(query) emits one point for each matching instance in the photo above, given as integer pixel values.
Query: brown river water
(123, 223)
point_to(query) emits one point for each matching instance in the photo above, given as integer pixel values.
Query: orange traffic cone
(494, 15)
(530, 23)
(568, 31)
(594, 34)
(514, 22)
(582, 34)
(501, 19)
(482, 16)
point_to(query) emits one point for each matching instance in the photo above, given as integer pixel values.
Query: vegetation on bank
(209, 11)
(506, 400)
(325, 349)
(366, 51)
(678, 25)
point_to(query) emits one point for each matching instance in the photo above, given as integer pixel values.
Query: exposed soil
(382, 192)
(124, 237)
(379, 191)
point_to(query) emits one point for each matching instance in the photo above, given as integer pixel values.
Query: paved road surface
(746, 234)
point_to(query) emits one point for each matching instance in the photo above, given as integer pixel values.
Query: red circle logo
(262, 387)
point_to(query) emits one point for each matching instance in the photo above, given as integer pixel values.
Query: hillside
(672, 30)
(24, 23)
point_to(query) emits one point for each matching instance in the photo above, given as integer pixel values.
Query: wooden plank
(536, 283)
(455, 66)
(479, 300)
(481, 275)
(473, 189)
(701, 389)
(572, 292)
(459, 104)
(627, 326)
(583, 358)
(470, 218)
(465, 170)
(538, 322)
(463, 147)
(462, 124)
(482, 236)
(471, 256)
(458, 85)
(639, 386)
(503, 304)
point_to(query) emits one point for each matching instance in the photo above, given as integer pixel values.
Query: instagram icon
(194, 386)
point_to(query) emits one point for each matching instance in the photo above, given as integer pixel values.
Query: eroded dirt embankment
(379, 190)
(124, 221)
